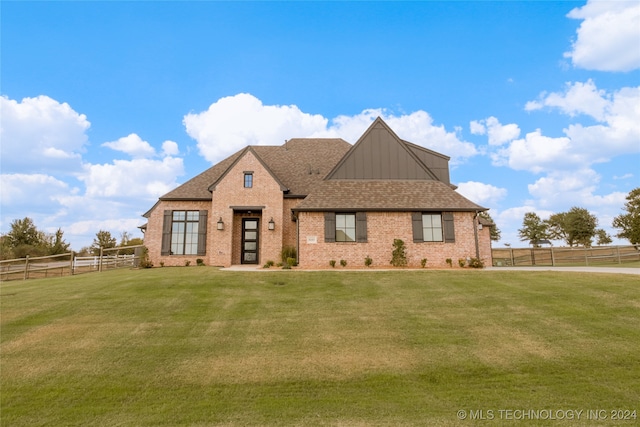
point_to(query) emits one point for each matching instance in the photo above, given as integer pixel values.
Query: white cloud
(486, 195)
(617, 133)
(39, 133)
(170, 148)
(607, 39)
(139, 178)
(233, 122)
(498, 133)
(133, 145)
(28, 192)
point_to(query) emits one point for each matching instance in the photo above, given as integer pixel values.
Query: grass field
(198, 347)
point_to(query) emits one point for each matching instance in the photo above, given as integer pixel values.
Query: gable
(380, 154)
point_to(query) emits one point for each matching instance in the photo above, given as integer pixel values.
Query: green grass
(198, 347)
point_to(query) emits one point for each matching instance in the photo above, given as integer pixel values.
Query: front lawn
(197, 346)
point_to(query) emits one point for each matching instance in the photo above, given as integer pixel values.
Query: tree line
(578, 227)
(24, 238)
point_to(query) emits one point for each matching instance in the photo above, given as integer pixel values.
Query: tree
(629, 222)
(556, 226)
(580, 227)
(533, 229)
(602, 237)
(24, 232)
(103, 239)
(56, 243)
(495, 231)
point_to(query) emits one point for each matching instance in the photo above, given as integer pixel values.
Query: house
(324, 197)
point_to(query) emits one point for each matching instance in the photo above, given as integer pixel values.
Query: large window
(345, 227)
(184, 232)
(432, 227)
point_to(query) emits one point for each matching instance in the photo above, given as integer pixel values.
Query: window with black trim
(184, 232)
(433, 227)
(345, 227)
(248, 179)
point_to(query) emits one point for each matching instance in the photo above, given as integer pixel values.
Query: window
(248, 179)
(345, 227)
(431, 228)
(184, 233)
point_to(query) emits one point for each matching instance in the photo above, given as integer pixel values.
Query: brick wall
(153, 235)
(382, 229)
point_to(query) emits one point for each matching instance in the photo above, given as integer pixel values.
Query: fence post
(73, 255)
(618, 252)
(553, 258)
(513, 263)
(586, 256)
(26, 267)
(100, 261)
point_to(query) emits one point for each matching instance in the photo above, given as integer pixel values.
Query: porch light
(220, 224)
(272, 225)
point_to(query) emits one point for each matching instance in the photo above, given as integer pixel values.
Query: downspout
(297, 237)
(475, 233)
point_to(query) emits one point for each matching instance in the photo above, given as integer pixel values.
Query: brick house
(326, 198)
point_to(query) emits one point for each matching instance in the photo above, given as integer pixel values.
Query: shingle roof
(299, 164)
(401, 195)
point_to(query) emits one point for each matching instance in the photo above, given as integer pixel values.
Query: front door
(250, 242)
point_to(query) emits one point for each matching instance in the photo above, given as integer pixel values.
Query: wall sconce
(272, 225)
(479, 226)
(220, 224)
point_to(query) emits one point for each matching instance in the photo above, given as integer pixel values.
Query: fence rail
(69, 264)
(564, 256)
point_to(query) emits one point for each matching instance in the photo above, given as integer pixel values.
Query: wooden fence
(565, 256)
(69, 264)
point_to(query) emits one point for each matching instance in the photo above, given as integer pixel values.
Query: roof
(299, 165)
(385, 195)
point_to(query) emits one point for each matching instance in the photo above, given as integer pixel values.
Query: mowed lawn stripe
(199, 346)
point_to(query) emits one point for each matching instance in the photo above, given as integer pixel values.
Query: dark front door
(250, 244)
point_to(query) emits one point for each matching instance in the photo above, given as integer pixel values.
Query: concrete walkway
(603, 270)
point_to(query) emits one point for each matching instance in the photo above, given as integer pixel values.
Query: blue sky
(108, 105)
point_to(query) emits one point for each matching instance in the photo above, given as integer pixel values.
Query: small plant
(161, 263)
(343, 262)
(288, 252)
(187, 263)
(286, 266)
(279, 264)
(291, 262)
(449, 261)
(269, 264)
(476, 263)
(423, 262)
(399, 255)
(145, 262)
(368, 261)
(462, 262)
(332, 263)
(199, 262)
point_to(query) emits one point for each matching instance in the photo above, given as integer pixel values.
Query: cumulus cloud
(231, 123)
(170, 148)
(41, 132)
(607, 39)
(498, 133)
(483, 194)
(133, 145)
(138, 178)
(30, 191)
(616, 132)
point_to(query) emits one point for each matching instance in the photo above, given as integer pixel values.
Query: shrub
(476, 263)
(286, 266)
(161, 264)
(399, 255)
(332, 263)
(200, 262)
(291, 262)
(343, 262)
(368, 261)
(145, 262)
(462, 262)
(187, 263)
(269, 264)
(449, 261)
(423, 262)
(288, 252)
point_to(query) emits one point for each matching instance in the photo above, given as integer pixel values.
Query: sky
(106, 106)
